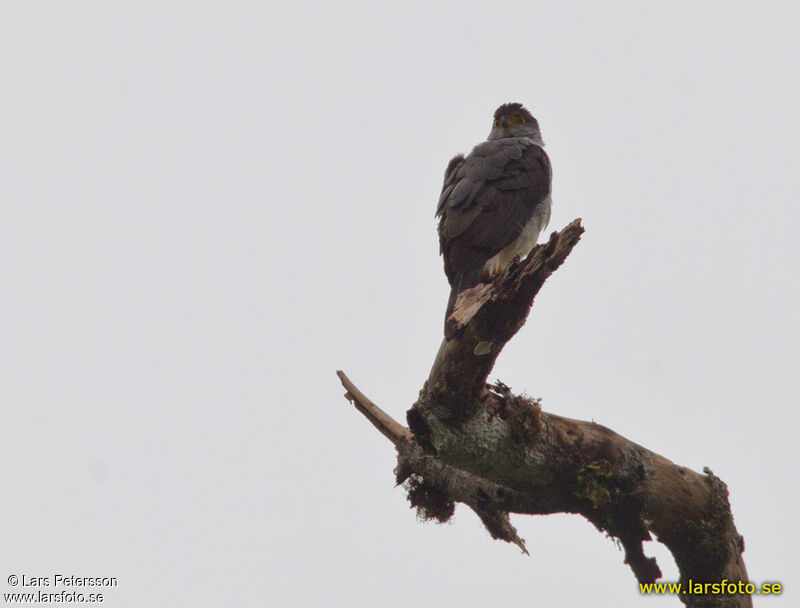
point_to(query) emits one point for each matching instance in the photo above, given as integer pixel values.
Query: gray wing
(487, 198)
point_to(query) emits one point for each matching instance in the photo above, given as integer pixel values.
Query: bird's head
(514, 120)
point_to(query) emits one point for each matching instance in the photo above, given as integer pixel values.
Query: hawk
(494, 202)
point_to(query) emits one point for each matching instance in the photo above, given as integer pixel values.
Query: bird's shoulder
(508, 163)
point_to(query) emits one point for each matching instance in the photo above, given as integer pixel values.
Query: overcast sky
(206, 208)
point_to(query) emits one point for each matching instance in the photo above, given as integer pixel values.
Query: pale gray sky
(206, 208)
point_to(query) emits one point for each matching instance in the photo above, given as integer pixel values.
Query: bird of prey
(494, 202)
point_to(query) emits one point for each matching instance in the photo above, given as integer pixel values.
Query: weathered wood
(388, 426)
(498, 453)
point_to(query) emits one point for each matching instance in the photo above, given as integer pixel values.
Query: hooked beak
(504, 122)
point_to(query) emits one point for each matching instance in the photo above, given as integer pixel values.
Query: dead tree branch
(499, 453)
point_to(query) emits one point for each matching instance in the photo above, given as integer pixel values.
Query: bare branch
(391, 429)
(498, 453)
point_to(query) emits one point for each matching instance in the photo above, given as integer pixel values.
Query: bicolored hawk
(494, 202)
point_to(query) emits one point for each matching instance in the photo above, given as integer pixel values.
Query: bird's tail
(449, 328)
(461, 283)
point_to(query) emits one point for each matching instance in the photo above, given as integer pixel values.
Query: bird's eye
(496, 123)
(521, 119)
